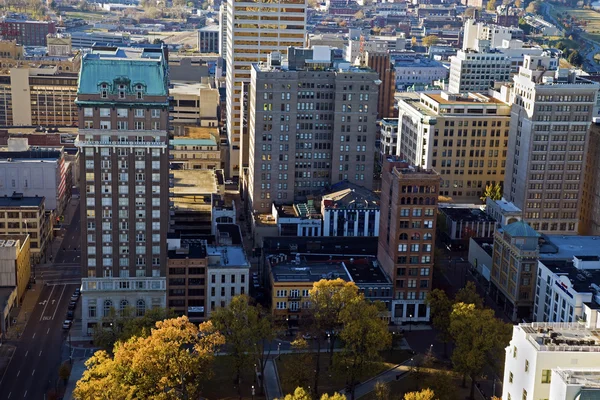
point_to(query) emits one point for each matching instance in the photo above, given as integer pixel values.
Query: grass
(330, 380)
(222, 385)
(592, 29)
(87, 15)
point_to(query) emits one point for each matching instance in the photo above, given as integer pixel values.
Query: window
(92, 311)
(524, 394)
(140, 308)
(526, 365)
(514, 351)
(546, 374)
(139, 113)
(510, 377)
(155, 113)
(108, 305)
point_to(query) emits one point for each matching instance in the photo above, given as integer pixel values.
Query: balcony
(294, 297)
(294, 310)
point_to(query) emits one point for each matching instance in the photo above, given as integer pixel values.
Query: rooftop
(231, 231)
(183, 141)
(18, 200)
(568, 247)
(192, 89)
(30, 155)
(366, 271)
(487, 244)
(196, 250)
(466, 214)
(226, 256)
(193, 181)
(301, 272)
(581, 280)
(520, 229)
(507, 206)
(325, 246)
(586, 377)
(351, 196)
(561, 336)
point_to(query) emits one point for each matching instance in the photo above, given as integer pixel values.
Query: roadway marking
(40, 353)
(9, 395)
(61, 295)
(48, 331)
(25, 395)
(46, 305)
(27, 352)
(33, 372)
(33, 337)
(18, 373)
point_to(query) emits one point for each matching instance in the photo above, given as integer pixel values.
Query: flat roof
(302, 272)
(188, 88)
(323, 245)
(366, 271)
(226, 256)
(232, 231)
(486, 244)
(195, 250)
(507, 206)
(580, 279)
(21, 201)
(561, 336)
(30, 155)
(183, 141)
(466, 214)
(465, 100)
(567, 247)
(193, 181)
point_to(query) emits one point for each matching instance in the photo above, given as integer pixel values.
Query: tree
(413, 41)
(492, 191)
(533, 7)
(64, 372)
(327, 299)
(440, 308)
(430, 40)
(480, 339)
(359, 15)
(301, 374)
(248, 332)
(157, 41)
(301, 394)
(171, 363)
(469, 295)
(364, 335)
(491, 5)
(425, 394)
(575, 58)
(382, 391)
(442, 382)
(518, 3)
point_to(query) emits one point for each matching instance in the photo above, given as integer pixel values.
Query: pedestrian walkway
(76, 373)
(20, 314)
(271, 381)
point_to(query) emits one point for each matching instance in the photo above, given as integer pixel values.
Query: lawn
(592, 29)
(222, 385)
(331, 380)
(91, 15)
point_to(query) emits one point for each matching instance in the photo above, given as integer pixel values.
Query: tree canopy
(492, 191)
(301, 394)
(170, 363)
(430, 40)
(425, 394)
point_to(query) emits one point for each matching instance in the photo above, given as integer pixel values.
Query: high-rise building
(27, 33)
(254, 30)
(381, 63)
(464, 137)
(223, 29)
(407, 235)
(123, 115)
(551, 114)
(477, 71)
(312, 124)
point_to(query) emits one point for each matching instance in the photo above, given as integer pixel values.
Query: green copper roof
(128, 66)
(192, 142)
(520, 229)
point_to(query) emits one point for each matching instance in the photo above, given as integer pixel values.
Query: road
(70, 251)
(34, 365)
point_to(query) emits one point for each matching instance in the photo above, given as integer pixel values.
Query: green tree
(364, 335)
(442, 382)
(575, 58)
(248, 330)
(430, 40)
(469, 295)
(301, 375)
(440, 308)
(382, 391)
(491, 5)
(425, 394)
(480, 339)
(492, 191)
(171, 363)
(64, 372)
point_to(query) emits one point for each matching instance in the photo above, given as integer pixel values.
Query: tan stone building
(15, 263)
(198, 149)
(193, 105)
(464, 138)
(407, 236)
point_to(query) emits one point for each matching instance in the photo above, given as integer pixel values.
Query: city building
(312, 124)
(299, 219)
(481, 251)
(381, 63)
(542, 27)
(250, 42)
(460, 222)
(574, 383)
(59, 45)
(26, 32)
(407, 236)
(477, 71)
(223, 29)
(208, 39)
(123, 114)
(186, 278)
(192, 153)
(551, 114)
(537, 349)
(15, 263)
(495, 34)
(411, 71)
(45, 95)
(514, 269)
(229, 272)
(223, 211)
(36, 171)
(86, 40)
(504, 212)
(464, 137)
(350, 210)
(20, 215)
(193, 105)
(388, 138)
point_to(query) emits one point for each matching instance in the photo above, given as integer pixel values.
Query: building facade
(195, 153)
(27, 33)
(381, 63)
(477, 71)
(350, 210)
(551, 114)
(15, 263)
(254, 30)
(186, 280)
(208, 39)
(407, 236)
(229, 273)
(388, 138)
(464, 137)
(193, 105)
(311, 125)
(123, 114)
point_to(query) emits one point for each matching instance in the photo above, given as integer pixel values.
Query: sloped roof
(520, 229)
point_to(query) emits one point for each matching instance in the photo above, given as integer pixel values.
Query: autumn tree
(425, 394)
(248, 331)
(171, 363)
(440, 309)
(430, 40)
(533, 7)
(301, 394)
(328, 298)
(302, 373)
(492, 191)
(382, 391)
(480, 339)
(442, 382)
(518, 3)
(359, 15)
(491, 5)
(469, 295)
(364, 335)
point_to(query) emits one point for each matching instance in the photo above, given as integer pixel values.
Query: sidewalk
(271, 381)
(57, 242)
(22, 313)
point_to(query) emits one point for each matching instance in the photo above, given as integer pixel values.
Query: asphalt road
(34, 365)
(70, 251)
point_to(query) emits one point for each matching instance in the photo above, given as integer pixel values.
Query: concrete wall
(31, 179)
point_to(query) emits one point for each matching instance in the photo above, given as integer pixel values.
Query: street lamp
(279, 348)
(253, 392)
(410, 323)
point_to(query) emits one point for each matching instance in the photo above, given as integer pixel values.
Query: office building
(407, 236)
(381, 63)
(15, 263)
(186, 278)
(539, 349)
(208, 39)
(37, 171)
(27, 33)
(298, 219)
(462, 222)
(388, 138)
(477, 71)
(254, 30)
(193, 105)
(123, 112)
(192, 153)
(464, 137)
(551, 115)
(20, 215)
(504, 212)
(86, 40)
(350, 210)
(312, 124)
(223, 29)
(419, 71)
(495, 34)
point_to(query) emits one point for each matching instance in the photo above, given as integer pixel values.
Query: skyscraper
(254, 30)
(549, 132)
(123, 115)
(407, 235)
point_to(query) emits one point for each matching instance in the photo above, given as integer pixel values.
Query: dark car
(72, 305)
(70, 315)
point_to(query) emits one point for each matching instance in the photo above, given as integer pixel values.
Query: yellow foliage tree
(430, 40)
(425, 394)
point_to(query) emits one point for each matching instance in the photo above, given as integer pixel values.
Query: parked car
(78, 291)
(72, 305)
(70, 315)
(67, 324)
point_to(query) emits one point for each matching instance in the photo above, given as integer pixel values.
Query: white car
(67, 324)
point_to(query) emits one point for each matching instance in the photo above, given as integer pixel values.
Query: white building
(504, 212)
(223, 29)
(300, 219)
(476, 72)
(495, 34)
(564, 286)
(419, 71)
(351, 210)
(388, 135)
(229, 272)
(575, 384)
(538, 348)
(283, 25)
